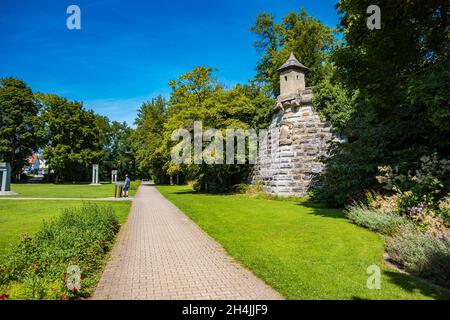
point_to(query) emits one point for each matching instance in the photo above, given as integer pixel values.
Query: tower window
(285, 78)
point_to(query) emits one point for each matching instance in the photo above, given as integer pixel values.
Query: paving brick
(162, 254)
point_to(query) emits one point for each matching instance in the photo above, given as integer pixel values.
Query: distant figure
(126, 187)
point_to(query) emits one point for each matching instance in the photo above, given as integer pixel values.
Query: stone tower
(292, 77)
(297, 137)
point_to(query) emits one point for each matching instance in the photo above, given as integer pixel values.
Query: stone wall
(290, 155)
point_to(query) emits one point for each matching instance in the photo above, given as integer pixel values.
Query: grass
(49, 190)
(302, 250)
(21, 216)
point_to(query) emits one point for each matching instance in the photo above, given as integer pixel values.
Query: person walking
(126, 187)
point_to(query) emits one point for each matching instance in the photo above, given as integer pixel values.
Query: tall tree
(400, 72)
(74, 138)
(118, 150)
(20, 126)
(147, 139)
(196, 96)
(299, 33)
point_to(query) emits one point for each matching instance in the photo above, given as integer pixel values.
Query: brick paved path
(161, 254)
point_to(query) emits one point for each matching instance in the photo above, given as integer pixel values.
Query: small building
(36, 165)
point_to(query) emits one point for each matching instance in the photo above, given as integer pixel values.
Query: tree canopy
(305, 36)
(398, 73)
(20, 126)
(197, 96)
(146, 140)
(74, 138)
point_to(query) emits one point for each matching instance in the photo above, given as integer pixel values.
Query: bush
(428, 184)
(249, 189)
(256, 190)
(36, 268)
(425, 256)
(428, 221)
(241, 188)
(384, 223)
(382, 203)
(135, 184)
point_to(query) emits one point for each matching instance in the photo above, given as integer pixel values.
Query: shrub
(249, 189)
(256, 190)
(444, 204)
(423, 255)
(428, 221)
(36, 268)
(241, 188)
(444, 209)
(382, 203)
(384, 223)
(428, 184)
(135, 185)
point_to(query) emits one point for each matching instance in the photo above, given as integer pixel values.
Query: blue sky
(127, 51)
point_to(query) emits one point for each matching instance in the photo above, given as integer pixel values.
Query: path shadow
(321, 210)
(189, 192)
(194, 192)
(414, 284)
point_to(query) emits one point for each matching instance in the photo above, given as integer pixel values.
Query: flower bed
(64, 259)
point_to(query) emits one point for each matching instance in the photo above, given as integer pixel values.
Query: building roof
(32, 159)
(292, 63)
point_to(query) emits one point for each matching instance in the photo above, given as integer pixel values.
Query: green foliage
(71, 137)
(20, 124)
(350, 169)
(429, 183)
(333, 103)
(147, 139)
(240, 107)
(384, 223)
(197, 96)
(74, 138)
(428, 90)
(117, 149)
(424, 256)
(401, 110)
(299, 33)
(36, 268)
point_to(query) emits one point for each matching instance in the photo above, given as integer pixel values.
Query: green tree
(74, 138)
(399, 72)
(196, 96)
(147, 139)
(20, 125)
(299, 33)
(116, 145)
(333, 102)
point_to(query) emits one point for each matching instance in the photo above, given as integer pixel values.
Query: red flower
(4, 296)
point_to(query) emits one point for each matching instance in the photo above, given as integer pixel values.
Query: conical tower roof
(292, 63)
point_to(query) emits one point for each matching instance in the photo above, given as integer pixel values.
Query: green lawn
(301, 250)
(21, 216)
(67, 190)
